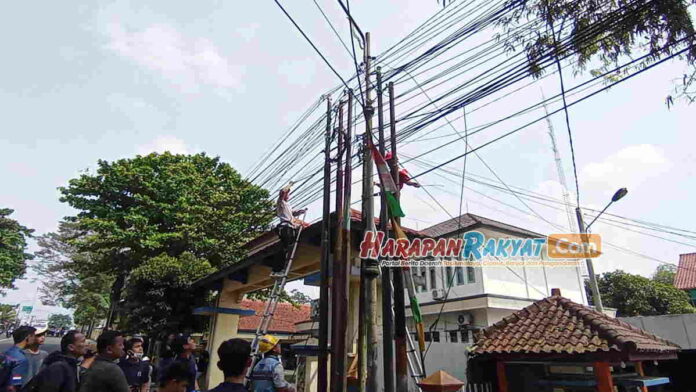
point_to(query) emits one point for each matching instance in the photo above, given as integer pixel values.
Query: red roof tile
(686, 273)
(284, 319)
(557, 325)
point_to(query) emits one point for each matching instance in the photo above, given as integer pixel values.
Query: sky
(112, 79)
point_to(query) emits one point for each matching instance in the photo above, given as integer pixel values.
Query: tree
(68, 278)
(299, 297)
(160, 221)
(635, 295)
(13, 245)
(8, 314)
(162, 284)
(59, 321)
(600, 33)
(665, 274)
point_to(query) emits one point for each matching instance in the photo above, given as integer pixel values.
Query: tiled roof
(686, 273)
(557, 325)
(284, 319)
(469, 220)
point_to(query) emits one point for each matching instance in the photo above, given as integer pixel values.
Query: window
(460, 276)
(453, 336)
(450, 277)
(433, 278)
(436, 336)
(418, 280)
(427, 336)
(465, 336)
(470, 275)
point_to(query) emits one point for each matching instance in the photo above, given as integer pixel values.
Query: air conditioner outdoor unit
(439, 294)
(464, 319)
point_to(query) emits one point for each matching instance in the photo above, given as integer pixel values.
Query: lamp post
(597, 299)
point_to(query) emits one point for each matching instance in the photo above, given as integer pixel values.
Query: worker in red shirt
(404, 175)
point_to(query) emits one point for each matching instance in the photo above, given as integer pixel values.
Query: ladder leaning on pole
(273, 298)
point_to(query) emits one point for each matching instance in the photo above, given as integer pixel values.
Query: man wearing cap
(22, 337)
(268, 374)
(35, 356)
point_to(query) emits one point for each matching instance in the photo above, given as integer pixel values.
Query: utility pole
(369, 271)
(400, 354)
(596, 298)
(387, 319)
(325, 252)
(342, 255)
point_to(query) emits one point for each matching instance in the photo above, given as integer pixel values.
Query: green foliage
(665, 274)
(163, 221)
(59, 321)
(602, 32)
(299, 297)
(8, 314)
(295, 297)
(69, 277)
(13, 245)
(168, 203)
(635, 295)
(162, 284)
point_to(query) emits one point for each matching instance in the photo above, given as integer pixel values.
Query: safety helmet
(267, 342)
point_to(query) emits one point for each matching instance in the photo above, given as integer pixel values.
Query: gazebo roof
(558, 327)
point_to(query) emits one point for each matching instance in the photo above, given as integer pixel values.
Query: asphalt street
(51, 344)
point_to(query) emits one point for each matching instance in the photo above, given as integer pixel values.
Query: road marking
(3, 340)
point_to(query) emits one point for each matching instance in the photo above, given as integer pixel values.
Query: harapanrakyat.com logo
(475, 249)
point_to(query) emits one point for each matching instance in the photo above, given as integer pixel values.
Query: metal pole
(387, 318)
(596, 298)
(400, 354)
(325, 252)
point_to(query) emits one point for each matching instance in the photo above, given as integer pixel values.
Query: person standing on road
(104, 375)
(60, 372)
(36, 356)
(235, 360)
(182, 347)
(136, 369)
(22, 337)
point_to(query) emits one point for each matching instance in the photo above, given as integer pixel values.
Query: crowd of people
(116, 364)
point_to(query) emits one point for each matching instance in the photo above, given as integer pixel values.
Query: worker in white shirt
(287, 228)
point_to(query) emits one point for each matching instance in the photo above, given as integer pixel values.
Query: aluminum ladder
(273, 299)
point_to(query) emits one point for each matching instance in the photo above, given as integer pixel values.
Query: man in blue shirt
(235, 359)
(136, 366)
(23, 337)
(183, 347)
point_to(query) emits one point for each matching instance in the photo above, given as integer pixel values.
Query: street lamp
(617, 196)
(588, 261)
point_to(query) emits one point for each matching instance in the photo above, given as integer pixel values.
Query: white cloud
(164, 143)
(187, 63)
(628, 167)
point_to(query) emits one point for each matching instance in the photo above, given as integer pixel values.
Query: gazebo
(557, 344)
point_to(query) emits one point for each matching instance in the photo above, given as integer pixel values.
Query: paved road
(52, 344)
